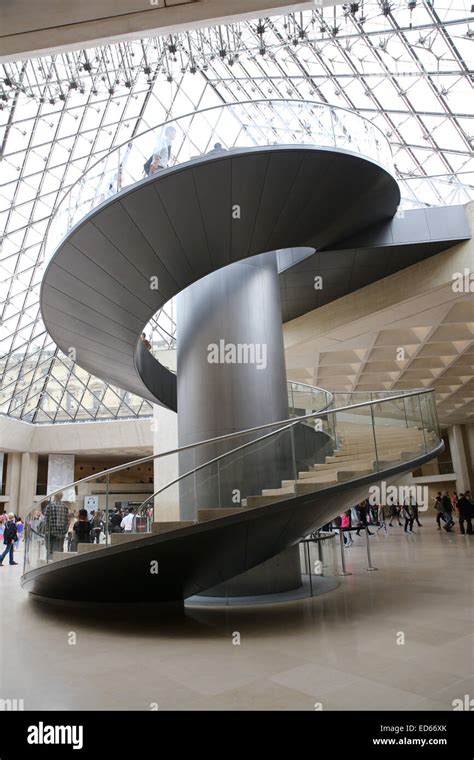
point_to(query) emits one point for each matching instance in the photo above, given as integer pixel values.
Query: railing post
(293, 455)
(307, 547)
(405, 411)
(374, 436)
(422, 424)
(107, 511)
(369, 560)
(320, 551)
(343, 559)
(219, 495)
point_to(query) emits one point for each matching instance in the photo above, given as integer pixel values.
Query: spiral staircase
(96, 297)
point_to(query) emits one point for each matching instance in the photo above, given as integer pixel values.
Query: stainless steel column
(237, 305)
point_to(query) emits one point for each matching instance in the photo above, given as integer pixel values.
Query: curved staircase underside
(96, 296)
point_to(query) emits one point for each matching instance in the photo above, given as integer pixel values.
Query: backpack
(9, 534)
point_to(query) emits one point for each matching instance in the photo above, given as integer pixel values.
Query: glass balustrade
(212, 132)
(241, 471)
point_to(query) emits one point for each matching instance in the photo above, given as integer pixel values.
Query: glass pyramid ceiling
(406, 65)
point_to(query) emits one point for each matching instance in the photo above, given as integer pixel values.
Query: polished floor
(342, 650)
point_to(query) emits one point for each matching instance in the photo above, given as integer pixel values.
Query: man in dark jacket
(115, 520)
(466, 513)
(447, 509)
(10, 535)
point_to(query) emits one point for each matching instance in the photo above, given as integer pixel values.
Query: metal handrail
(228, 436)
(163, 124)
(269, 435)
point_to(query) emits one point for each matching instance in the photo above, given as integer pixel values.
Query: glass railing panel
(247, 470)
(355, 454)
(88, 513)
(210, 131)
(393, 439)
(429, 419)
(258, 474)
(306, 399)
(414, 422)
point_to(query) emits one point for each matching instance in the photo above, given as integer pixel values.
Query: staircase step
(86, 548)
(262, 501)
(215, 514)
(123, 538)
(406, 455)
(344, 475)
(317, 468)
(304, 487)
(57, 556)
(370, 450)
(167, 525)
(276, 491)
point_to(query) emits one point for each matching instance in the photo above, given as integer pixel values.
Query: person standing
(127, 522)
(345, 528)
(414, 510)
(447, 509)
(70, 531)
(146, 342)
(407, 514)
(162, 149)
(466, 513)
(19, 529)
(438, 500)
(362, 510)
(115, 521)
(394, 514)
(381, 518)
(82, 529)
(97, 527)
(56, 522)
(10, 535)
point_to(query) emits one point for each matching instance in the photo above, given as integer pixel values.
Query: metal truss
(404, 64)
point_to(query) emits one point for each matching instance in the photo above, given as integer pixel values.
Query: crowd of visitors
(364, 516)
(58, 524)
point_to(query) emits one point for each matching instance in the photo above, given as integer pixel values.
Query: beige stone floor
(339, 649)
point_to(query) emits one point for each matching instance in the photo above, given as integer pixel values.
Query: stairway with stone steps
(224, 541)
(354, 458)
